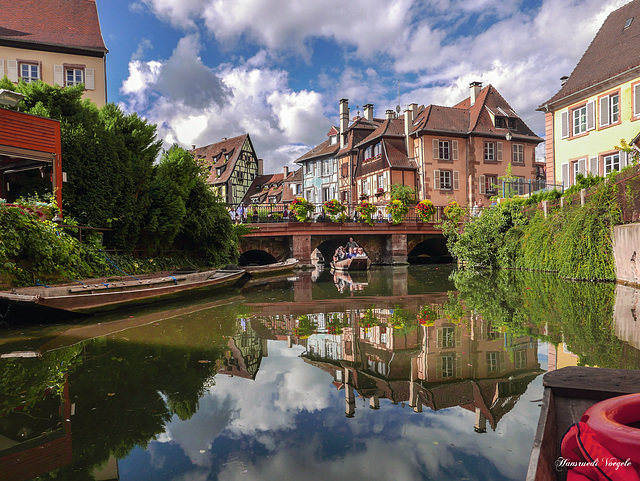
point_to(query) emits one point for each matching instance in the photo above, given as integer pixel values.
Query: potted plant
(426, 210)
(301, 207)
(335, 209)
(366, 210)
(379, 192)
(398, 210)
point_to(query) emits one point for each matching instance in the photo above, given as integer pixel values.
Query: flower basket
(426, 210)
(366, 209)
(454, 211)
(426, 316)
(301, 208)
(398, 210)
(335, 209)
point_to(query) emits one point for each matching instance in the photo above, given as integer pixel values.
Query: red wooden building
(29, 145)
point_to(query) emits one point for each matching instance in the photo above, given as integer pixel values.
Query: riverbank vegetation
(574, 241)
(151, 205)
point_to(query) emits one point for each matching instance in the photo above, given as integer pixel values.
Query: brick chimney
(390, 114)
(285, 171)
(368, 111)
(260, 168)
(475, 91)
(409, 116)
(344, 121)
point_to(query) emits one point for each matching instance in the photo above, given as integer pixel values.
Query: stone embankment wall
(626, 251)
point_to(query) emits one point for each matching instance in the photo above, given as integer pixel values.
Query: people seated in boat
(340, 254)
(359, 251)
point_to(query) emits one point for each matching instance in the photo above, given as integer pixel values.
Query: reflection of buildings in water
(318, 268)
(560, 356)
(38, 441)
(246, 350)
(474, 366)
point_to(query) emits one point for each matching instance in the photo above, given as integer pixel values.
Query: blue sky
(206, 69)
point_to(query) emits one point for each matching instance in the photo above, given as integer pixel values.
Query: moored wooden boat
(93, 295)
(284, 266)
(357, 263)
(568, 393)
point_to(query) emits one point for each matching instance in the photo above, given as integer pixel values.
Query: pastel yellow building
(67, 49)
(598, 104)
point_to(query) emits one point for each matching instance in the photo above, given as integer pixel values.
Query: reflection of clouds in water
(391, 443)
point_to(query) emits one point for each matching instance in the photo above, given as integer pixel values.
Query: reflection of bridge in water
(384, 243)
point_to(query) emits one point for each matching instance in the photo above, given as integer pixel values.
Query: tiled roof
(614, 50)
(396, 150)
(323, 150)
(273, 184)
(358, 131)
(466, 119)
(388, 127)
(64, 23)
(214, 156)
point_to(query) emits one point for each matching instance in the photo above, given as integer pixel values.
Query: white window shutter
(565, 124)
(604, 111)
(582, 167)
(12, 70)
(636, 100)
(482, 185)
(593, 166)
(436, 179)
(591, 115)
(565, 175)
(1, 67)
(89, 81)
(623, 159)
(456, 180)
(436, 150)
(58, 75)
(454, 148)
(499, 151)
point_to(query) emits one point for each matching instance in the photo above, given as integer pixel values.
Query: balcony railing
(272, 212)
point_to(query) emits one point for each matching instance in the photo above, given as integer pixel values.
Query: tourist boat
(284, 266)
(95, 295)
(568, 393)
(357, 263)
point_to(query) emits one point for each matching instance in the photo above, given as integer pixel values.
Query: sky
(202, 70)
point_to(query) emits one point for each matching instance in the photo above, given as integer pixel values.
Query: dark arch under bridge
(384, 243)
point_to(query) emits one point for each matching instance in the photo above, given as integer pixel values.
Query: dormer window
(220, 170)
(333, 140)
(377, 149)
(501, 122)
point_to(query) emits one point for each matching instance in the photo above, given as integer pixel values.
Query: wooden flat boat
(269, 269)
(96, 295)
(568, 393)
(357, 263)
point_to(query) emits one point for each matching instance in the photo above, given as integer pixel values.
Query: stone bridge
(384, 243)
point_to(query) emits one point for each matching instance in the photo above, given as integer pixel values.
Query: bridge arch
(256, 257)
(428, 249)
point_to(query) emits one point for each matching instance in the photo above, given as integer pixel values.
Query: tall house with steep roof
(598, 104)
(320, 169)
(232, 165)
(56, 41)
(462, 151)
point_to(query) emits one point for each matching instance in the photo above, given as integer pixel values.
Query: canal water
(420, 372)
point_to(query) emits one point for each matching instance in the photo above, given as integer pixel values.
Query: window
(367, 153)
(307, 168)
(446, 180)
(333, 140)
(365, 186)
(611, 163)
(326, 167)
(446, 367)
(29, 72)
(580, 120)
(493, 151)
(377, 149)
(609, 110)
(520, 359)
(74, 76)
(492, 362)
(517, 153)
(445, 149)
(636, 100)
(488, 184)
(381, 181)
(326, 194)
(448, 337)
